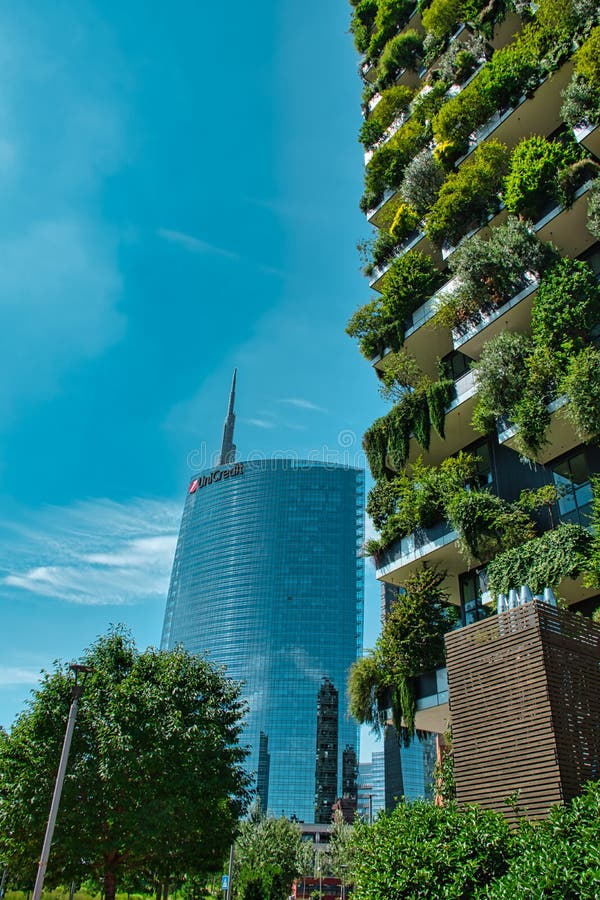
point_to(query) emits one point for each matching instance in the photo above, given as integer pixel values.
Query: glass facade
(267, 581)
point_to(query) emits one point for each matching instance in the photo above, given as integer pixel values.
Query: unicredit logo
(218, 475)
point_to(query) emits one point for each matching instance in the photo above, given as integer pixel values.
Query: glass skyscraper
(267, 580)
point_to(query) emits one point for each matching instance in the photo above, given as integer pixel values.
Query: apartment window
(456, 364)
(572, 478)
(473, 594)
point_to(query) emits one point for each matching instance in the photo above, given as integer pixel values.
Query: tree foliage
(267, 847)
(155, 782)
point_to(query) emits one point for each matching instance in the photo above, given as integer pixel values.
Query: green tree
(263, 843)
(155, 783)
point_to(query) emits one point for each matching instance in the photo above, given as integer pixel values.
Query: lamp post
(76, 692)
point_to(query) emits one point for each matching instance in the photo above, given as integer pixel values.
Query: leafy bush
(378, 252)
(442, 16)
(430, 852)
(460, 59)
(363, 19)
(582, 387)
(533, 178)
(401, 52)
(565, 309)
(429, 101)
(487, 524)
(423, 178)
(393, 103)
(386, 167)
(593, 210)
(501, 374)
(542, 562)
(510, 73)
(405, 222)
(469, 195)
(587, 60)
(581, 103)
(411, 279)
(557, 858)
(492, 271)
(391, 16)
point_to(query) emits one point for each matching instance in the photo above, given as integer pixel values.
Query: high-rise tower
(267, 580)
(228, 448)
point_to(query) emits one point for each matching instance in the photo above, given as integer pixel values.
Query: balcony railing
(413, 547)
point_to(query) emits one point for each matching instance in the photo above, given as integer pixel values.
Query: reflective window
(572, 478)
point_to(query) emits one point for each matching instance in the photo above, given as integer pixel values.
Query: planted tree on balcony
(469, 195)
(386, 168)
(361, 25)
(421, 183)
(394, 102)
(487, 524)
(582, 387)
(565, 309)
(544, 561)
(461, 59)
(380, 324)
(402, 52)
(411, 643)
(539, 171)
(490, 272)
(593, 211)
(391, 16)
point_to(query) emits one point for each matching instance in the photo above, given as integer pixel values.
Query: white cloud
(196, 245)
(96, 552)
(259, 423)
(14, 675)
(300, 403)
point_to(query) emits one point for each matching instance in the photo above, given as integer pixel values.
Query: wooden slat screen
(525, 706)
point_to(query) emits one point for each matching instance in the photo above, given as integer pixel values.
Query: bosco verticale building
(268, 581)
(482, 140)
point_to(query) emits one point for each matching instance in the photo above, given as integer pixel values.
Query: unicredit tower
(268, 581)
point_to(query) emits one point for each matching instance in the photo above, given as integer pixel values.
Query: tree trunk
(159, 891)
(166, 891)
(110, 884)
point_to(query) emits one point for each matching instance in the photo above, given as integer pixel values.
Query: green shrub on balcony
(405, 222)
(386, 168)
(539, 171)
(361, 25)
(443, 16)
(490, 272)
(587, 59)
(487, 524)
(411, 643)
(394, 102)
(389, 437)
(469, 195)
(402, 52)
(422, 181)
(593, 210)
(417, 497)
(412, 278)
(391, 16)
(582, 387)
(544, 561)
(378, 251)
(566, 309)
(461, 59)
(515, 380)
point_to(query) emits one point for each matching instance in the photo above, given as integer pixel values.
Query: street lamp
(76, 692)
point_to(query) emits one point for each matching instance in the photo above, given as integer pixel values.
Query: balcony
(433, 712)
(539, 114)
(589, 136)
(418, 240)
(514, 315)
(493, 219)
(561, 435)
(566, 228)
(436, 545)
(458, 429)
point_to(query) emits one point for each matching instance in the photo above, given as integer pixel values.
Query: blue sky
(180, 190)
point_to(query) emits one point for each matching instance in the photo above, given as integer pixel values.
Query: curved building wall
(267, 581)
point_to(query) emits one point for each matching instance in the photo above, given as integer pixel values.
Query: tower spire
(227, 454)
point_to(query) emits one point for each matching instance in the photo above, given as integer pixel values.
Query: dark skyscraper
(326, 769)
(267, 579)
